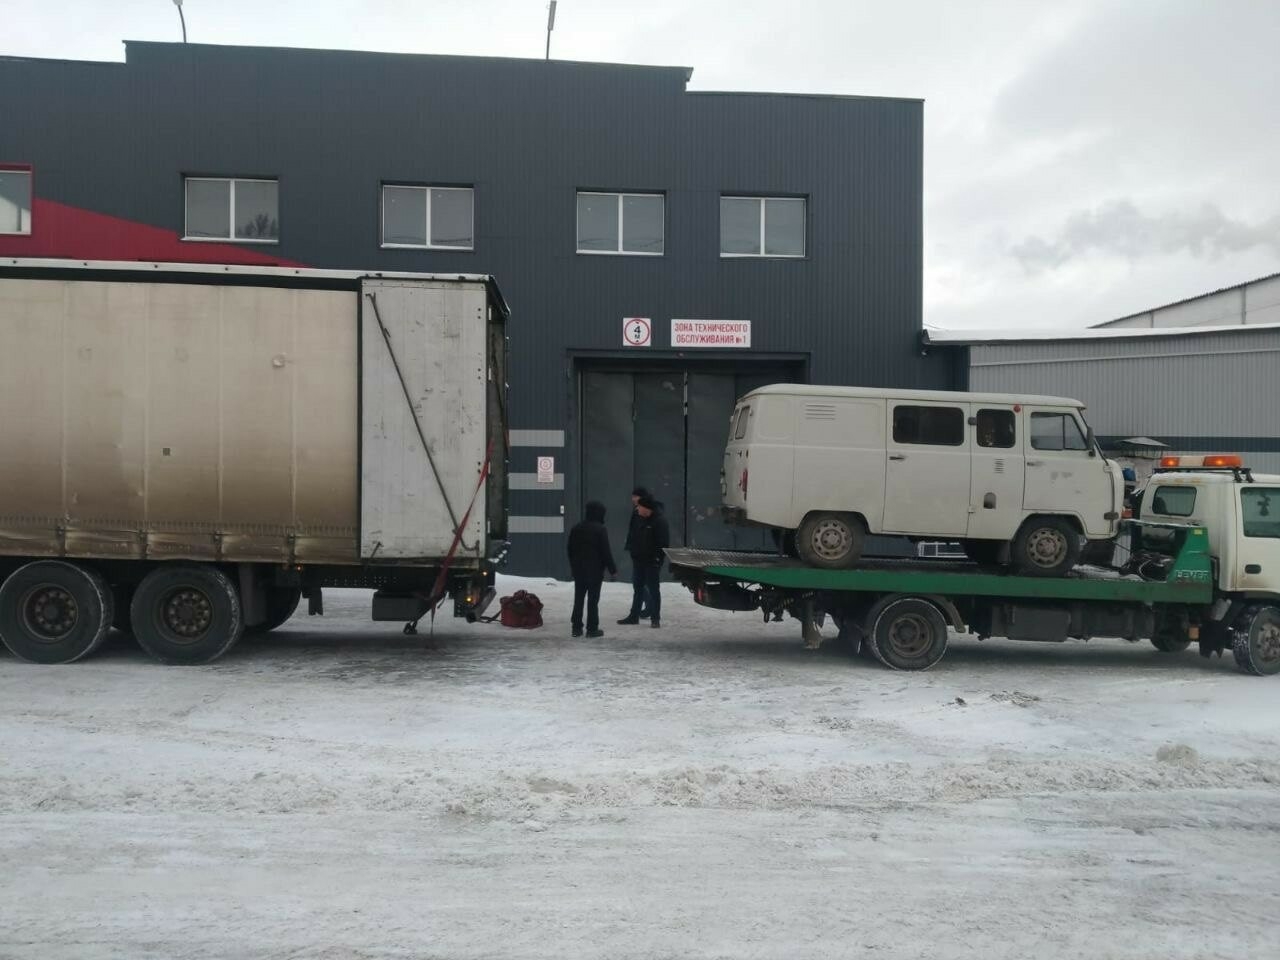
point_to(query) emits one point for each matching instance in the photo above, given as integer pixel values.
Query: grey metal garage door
(665, 428)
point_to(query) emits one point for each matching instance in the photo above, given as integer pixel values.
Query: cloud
(1121, 229)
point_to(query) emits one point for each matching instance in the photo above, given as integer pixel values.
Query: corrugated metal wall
(1249, 303)
(527, 134)
(1216, 391)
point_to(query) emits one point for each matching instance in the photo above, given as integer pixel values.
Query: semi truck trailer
(188, 451)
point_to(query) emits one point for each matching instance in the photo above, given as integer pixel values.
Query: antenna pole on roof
(551, 25)
(178, 4)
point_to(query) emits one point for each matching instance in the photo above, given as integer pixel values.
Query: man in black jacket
(636, 495)
(589, 558)
(650, 537)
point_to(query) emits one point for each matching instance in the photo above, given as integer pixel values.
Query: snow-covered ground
(338, 790)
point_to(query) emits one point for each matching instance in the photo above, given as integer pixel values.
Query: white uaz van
(828, 465)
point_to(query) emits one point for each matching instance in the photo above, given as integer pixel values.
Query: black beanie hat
(641, 492)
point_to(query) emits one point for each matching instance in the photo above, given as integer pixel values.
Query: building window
(15, 201)
(762, 226)
(632, 223)
(429, 217)
(236, 210)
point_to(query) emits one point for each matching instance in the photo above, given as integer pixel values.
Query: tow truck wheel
(906, 633)
(1256, 641)
(186, 614)
(832, 541)
(1046, 547)
(54, 612)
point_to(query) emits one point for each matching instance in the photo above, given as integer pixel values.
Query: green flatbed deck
(1190, 580)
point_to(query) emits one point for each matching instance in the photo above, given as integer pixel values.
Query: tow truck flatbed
(1190, 579)
(899, 610)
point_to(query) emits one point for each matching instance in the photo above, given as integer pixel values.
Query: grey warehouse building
(662, 251)
(1198, 376)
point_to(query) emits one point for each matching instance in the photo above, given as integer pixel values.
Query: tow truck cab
(1239, 509)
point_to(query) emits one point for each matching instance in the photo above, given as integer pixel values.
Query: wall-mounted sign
(636, 332)
(546, 470)
(710, 333)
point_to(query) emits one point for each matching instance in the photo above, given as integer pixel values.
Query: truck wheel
(1256, 641)
(54, 612)
(906, 633)
(281, 603)
(1046, 547)
(186, 614)
(985, 552)
(832, 541)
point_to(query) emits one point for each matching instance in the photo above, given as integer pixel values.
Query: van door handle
(1035, 463)
(1253, 568)
(897, 456)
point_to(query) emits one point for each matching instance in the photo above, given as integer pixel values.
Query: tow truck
(1200, 564)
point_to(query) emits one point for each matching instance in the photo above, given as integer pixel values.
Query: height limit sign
(637, 332)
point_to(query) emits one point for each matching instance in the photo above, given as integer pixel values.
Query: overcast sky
(1083, 159)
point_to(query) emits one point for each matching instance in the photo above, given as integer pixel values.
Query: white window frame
(427, 188)
(31, 199)
(804, 236)
(231, 200)
(619, 252)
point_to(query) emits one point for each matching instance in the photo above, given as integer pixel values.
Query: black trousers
(645, 582)
(588, 590)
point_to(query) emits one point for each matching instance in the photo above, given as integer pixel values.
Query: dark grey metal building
(593, 192)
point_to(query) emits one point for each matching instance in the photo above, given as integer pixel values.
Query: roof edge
(940, 337)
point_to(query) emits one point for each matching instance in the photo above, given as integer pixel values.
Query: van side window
(1174, 501)
(938, 426)
(1056, 431)
(1260, 511)
(996, 428)
(740, 430)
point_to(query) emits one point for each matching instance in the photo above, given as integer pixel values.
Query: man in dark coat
(647, 544)
(636, 495)
(589, 559)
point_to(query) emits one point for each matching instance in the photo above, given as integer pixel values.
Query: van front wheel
(832, 541)
(1046, 547)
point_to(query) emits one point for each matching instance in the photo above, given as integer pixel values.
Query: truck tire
(832, 541)
(54, 612)
(1256, 641)
(281, 603)
(186, 614)
(906, 633)
(985, 552)
(1045, 547)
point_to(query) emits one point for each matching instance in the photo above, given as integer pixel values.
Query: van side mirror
(1092, 440)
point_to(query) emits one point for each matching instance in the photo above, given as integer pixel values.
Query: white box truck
(1011, 477)
(188, 450)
